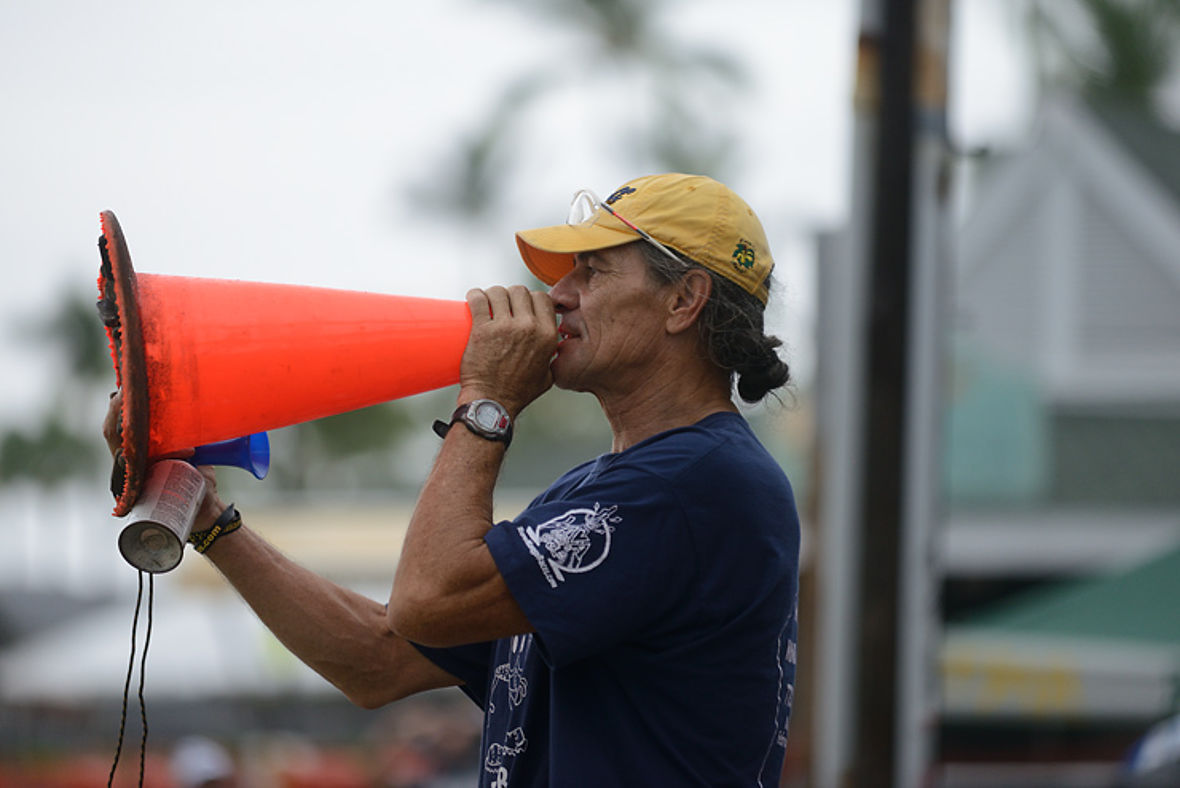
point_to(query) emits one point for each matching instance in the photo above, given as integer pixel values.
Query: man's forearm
(342, 635)
(448, 589)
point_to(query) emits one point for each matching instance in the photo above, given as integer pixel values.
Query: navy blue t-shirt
(662, 583)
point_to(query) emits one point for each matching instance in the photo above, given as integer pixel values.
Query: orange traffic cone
(206, 360)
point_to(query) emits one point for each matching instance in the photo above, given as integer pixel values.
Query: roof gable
(1070, 267)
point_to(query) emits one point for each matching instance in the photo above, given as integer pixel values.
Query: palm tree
(625, 44)
(63, 444)
(1109, 50)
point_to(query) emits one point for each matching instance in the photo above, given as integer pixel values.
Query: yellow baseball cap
(692, 214)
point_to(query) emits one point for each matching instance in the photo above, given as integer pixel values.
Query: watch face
(489, 416)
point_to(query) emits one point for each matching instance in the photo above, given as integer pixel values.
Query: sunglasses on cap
(586, 203)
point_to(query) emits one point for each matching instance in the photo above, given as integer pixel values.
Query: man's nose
(562, 293)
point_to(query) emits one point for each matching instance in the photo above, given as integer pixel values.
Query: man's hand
(112, 424)
(513, 339)
(112, 431)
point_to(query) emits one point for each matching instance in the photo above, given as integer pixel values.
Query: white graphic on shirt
(498, 758)
(514, 744)
(786, 650)
(576, 541)
(512, 674)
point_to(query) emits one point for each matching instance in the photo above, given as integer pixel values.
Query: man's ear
(688, 299)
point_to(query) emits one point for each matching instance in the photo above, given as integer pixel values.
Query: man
(635, 625)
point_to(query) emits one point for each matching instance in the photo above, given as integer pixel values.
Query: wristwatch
(485, 417)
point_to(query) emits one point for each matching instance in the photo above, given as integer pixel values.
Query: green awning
(1141, 605)
(1104, 646)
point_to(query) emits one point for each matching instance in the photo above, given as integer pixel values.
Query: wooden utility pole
(880, 457)
(886, 390)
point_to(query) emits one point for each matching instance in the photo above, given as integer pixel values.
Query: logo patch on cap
(618, 195)
(743, 255)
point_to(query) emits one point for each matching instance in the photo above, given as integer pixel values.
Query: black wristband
(228, 522)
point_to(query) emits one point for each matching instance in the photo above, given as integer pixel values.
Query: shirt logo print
(512, 674)
(498, 754)
(499, 757)
(571, 543)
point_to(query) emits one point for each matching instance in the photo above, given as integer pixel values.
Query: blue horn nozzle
(251, 452)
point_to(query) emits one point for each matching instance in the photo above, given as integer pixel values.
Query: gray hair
(731, 328)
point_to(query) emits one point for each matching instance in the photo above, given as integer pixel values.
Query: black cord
(127, 682)
(142, 670)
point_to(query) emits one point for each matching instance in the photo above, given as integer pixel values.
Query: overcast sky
(277, 140)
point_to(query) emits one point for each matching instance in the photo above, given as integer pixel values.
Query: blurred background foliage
(619, 44)
(62, 443)
(1107, 49)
